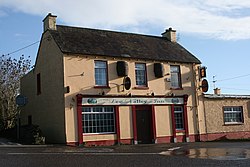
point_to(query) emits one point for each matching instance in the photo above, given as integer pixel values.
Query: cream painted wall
(79, 76)
(163, 121)
(76, 65)
(97, 137)
(202, 115)
(126, 122)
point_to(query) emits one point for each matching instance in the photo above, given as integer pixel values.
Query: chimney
(170, 34)
(217, 91)
(49, 22)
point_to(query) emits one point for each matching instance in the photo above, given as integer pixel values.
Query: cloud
(219, 19)
(2, 13)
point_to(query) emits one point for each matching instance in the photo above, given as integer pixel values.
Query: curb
(24, 146)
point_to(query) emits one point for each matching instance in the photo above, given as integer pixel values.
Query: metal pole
(18, 124)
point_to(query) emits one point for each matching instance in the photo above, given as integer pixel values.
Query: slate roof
(226, 96)
(86, 41)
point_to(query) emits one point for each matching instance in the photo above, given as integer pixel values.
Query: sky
(217, 32)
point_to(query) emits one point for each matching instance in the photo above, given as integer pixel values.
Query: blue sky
(215, 31)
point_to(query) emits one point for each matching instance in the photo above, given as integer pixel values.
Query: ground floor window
(178, 116)
(99, 119)
(233, 114)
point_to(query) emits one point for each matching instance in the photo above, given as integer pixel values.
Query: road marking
(174, 148)
(169, 151)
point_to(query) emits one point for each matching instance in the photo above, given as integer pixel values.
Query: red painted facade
(167, 139)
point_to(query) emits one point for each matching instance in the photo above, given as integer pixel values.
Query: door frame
(153, 125)
(185, 122)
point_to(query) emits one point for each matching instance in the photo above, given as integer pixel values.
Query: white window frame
(91, 114)
(180, 110)
(141, 80)
(101, 73)
(175, 80)
(233, 111)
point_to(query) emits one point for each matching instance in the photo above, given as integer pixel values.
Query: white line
(174, 148)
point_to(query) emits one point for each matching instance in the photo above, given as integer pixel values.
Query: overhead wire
(241, 76)
(235, 89)
(21, 48)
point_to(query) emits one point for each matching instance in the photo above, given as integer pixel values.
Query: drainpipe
(196, 86)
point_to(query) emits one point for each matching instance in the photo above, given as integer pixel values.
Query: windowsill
(141, 87)
(180, 131)
(102, 87)
(176, 88)
(93, 134)
(233, 123)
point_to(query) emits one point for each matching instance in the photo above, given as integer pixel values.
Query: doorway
(144, 124)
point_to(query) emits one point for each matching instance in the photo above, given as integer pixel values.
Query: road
(180, 154)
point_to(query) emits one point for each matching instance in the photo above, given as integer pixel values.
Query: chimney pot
(170, 34)
(49, 22)
(217, 91)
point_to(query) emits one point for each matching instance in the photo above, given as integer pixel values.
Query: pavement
(7, 142)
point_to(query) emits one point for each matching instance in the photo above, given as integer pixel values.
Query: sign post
(20, 101)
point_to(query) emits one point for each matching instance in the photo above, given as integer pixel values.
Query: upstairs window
(140, 75)
(175, 77)
(101, 74)
(233, 115)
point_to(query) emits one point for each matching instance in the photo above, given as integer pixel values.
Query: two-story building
(99, 87)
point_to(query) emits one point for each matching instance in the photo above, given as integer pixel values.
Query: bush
(31, 134)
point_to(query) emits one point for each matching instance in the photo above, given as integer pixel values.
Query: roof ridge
(111, 31)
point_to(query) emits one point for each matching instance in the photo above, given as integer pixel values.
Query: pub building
(99, 87)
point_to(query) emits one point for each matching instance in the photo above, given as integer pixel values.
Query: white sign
(131, 101)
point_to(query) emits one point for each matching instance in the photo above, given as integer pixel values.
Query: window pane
(100, 73)
(175, 76)
(86, 109)
(97, 109)
(233, 114)
(101, 120)
(178, 116)
(140, 74)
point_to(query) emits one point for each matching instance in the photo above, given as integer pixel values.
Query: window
(98, 119)
(233, 114)
(38, 84)
(140, 74)
(101, 73)
(178, 116)
(175, 77)
(29, 119)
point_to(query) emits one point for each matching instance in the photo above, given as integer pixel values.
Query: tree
(11, 70)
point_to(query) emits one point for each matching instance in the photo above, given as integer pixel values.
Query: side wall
(47, 108)
(216, 128)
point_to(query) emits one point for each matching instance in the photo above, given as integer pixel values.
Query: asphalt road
(180, 154)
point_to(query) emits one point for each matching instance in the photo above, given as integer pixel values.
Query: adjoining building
(99, 87)
(226, 116)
